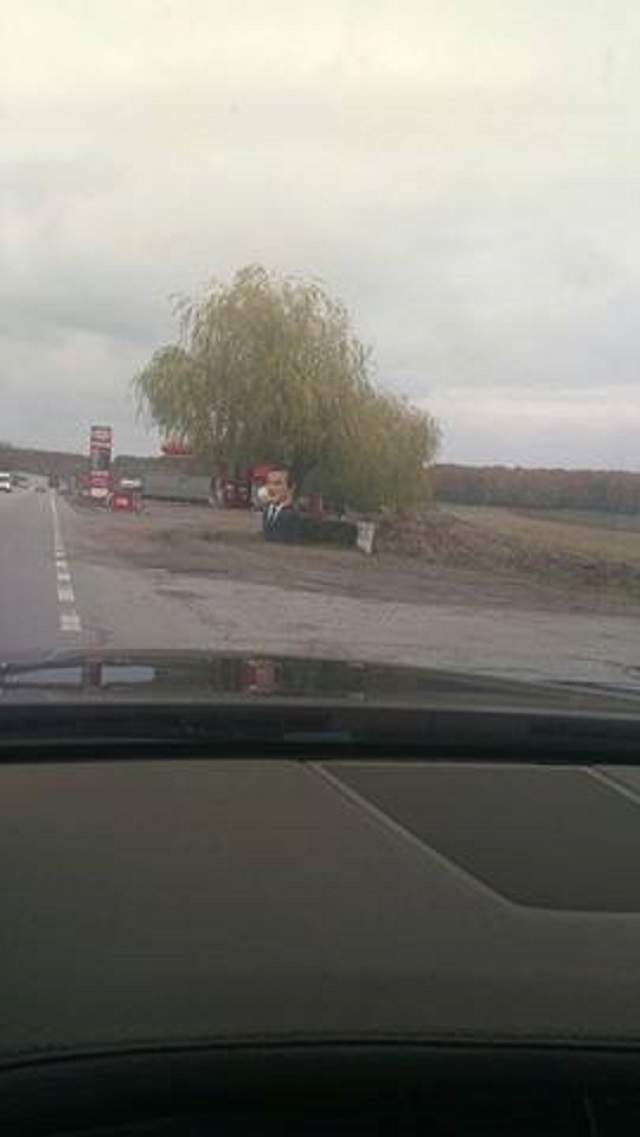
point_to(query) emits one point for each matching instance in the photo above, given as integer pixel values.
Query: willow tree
(384, 456)
(270, 369)
(260, 372)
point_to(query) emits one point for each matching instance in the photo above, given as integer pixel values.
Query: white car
(6, 484)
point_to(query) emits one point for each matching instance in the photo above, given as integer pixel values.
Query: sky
(464, 176)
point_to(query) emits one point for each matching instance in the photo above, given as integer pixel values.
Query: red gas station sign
(100, 443)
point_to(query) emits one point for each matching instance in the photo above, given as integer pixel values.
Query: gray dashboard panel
(147, 903)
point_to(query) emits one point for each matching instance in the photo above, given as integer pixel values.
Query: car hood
(179, 676)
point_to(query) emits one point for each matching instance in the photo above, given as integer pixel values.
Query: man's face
(278, 487)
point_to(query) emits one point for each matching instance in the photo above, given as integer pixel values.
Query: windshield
(319, 335)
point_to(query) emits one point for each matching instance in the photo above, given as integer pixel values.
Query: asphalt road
(30, 611)
(57, 595)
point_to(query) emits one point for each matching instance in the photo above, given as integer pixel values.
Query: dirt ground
(501, 540)
(440, 558)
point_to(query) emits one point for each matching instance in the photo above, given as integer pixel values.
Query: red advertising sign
(175, 447)
(100, 461)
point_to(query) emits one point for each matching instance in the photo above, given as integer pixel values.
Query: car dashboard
(327, 939)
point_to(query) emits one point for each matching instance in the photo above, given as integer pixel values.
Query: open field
(601, 536)
(593, 518)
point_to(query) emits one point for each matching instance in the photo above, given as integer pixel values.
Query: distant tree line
(613, 491)
(31, 461)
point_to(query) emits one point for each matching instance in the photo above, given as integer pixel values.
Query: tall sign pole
(100, 442)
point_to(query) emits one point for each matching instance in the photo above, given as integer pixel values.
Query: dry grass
(498, 542)
(571, 537)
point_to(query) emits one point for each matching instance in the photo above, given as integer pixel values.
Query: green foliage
(270, 369)
(383, 458)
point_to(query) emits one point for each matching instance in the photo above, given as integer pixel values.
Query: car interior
(328, 938)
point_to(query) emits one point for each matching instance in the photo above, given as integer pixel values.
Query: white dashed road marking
(70, 621)
(69, 618)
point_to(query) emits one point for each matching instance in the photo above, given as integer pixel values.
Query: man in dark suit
(282, 522)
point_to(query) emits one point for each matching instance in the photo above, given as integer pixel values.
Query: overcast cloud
(464, 176)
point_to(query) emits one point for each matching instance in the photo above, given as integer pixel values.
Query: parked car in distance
(6, 484)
